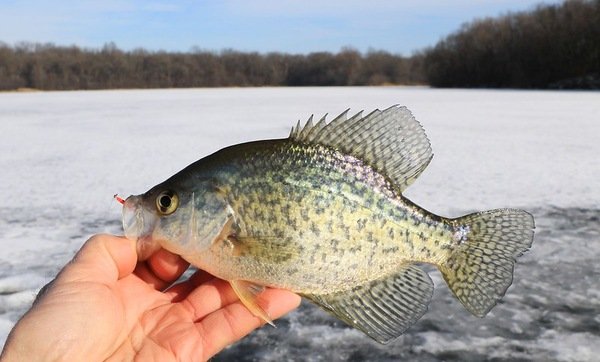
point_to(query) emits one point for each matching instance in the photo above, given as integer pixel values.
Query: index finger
(234, 321)
(161, 269)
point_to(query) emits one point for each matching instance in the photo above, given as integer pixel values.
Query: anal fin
(248, 293)
(383, 309)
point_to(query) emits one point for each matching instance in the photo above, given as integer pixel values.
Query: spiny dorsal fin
(295, 130)
(307, 128)
(316, 128)
(391, 141)
(382, 309)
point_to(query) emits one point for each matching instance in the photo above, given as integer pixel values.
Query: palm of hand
(106, 306)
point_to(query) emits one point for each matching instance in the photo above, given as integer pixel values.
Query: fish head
(182, 217)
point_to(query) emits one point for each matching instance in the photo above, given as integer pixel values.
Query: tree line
(552, 46)
(51, 67)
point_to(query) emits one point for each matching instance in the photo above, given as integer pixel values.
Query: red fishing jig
(116, 196)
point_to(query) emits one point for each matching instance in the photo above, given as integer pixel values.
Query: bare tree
(552, 46)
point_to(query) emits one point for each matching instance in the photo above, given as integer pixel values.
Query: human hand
(104, 305)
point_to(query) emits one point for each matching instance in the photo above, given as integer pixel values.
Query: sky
(253, 25)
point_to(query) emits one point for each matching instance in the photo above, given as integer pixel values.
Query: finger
(229, 324)
(161, 269)
(144, 273)
(182, 290)
(208, 297)
(167, 266)
(103, 258)
(43, 291)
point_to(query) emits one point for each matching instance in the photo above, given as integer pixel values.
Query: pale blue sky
(252, 25)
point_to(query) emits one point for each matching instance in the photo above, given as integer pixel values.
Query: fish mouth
(138, 225)
(133, 218)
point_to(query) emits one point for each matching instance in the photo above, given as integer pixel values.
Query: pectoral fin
(228, 236)
(271, 249)
(249, 293)
(226, 230)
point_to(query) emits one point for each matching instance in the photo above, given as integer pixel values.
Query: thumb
(103, 258)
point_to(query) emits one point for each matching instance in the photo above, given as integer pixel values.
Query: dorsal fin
(315, 129)
(295, 133)
(307, 128)
(391, 141)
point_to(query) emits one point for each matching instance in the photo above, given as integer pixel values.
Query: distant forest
(552, 46)
(64, 68)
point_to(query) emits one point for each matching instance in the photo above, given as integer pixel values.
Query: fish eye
(167, 202)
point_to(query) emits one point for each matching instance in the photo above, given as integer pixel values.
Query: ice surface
(64, 154)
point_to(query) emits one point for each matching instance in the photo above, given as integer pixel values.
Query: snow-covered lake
(65, 154)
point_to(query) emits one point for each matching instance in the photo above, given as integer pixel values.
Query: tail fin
(480, 270)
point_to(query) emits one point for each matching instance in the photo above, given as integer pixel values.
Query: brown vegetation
(45, 66)
(553, 46)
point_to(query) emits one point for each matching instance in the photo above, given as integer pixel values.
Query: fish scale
(354, 217)
(321, 213)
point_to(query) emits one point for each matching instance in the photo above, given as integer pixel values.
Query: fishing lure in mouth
(119, 199)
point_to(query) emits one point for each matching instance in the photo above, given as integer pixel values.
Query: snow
(528, 148)
(65, 154)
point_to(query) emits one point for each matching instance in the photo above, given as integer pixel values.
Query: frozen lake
(64, 154)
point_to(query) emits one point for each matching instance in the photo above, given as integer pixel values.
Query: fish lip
(133, 218)
(138, 225)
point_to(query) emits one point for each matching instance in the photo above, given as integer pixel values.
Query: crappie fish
(321, 213)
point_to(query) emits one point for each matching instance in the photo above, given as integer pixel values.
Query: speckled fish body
(314, 220)
(321, 213)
